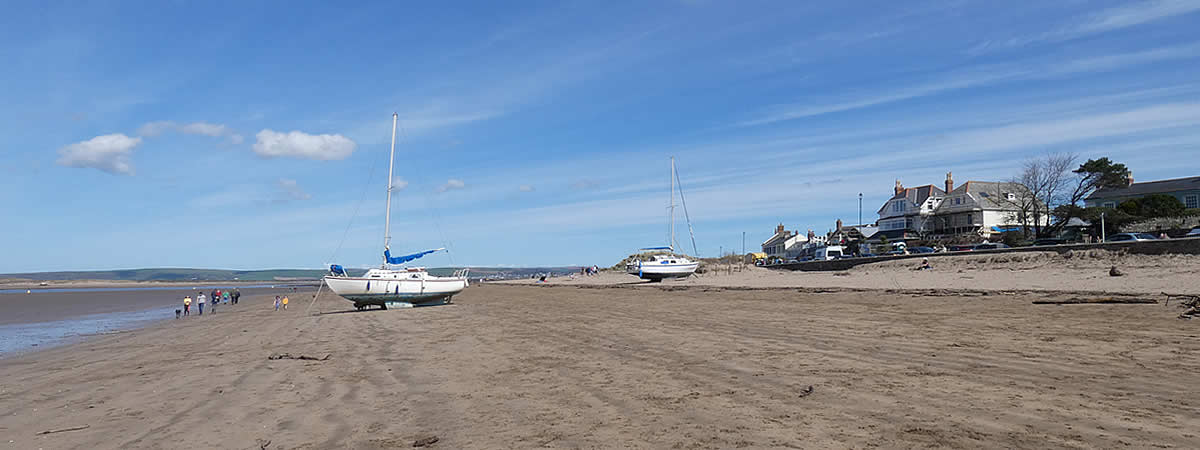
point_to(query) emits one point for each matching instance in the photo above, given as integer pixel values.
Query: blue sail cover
(657, 248)
(406, 258)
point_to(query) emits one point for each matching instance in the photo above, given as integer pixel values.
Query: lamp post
(860, 222)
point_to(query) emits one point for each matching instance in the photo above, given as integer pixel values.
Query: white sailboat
(403, 285)
(657, 267)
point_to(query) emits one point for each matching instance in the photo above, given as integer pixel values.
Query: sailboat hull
(380, 291)
(652, 271)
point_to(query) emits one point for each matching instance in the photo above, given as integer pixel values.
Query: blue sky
(254, 135)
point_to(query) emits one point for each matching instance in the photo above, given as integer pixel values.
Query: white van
(828, 253)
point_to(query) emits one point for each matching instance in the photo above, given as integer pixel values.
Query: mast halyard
(387, 216)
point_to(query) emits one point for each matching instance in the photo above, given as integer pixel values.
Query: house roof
(986, 195)
(1149, 187)
(915, 195)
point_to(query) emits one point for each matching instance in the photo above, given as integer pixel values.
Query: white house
(908, 212)
(983, 207)
(784, 243)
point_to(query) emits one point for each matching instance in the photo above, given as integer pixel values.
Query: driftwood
(425, 441)
(303, 357)
(806, 392)
(1095, 301)
(84, 427)
(1189, 301)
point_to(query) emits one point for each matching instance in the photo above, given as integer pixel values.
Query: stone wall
(1188, 246)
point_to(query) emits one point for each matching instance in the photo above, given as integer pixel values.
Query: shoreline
(34, 285)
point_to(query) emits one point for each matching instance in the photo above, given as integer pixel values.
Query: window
(969, 221)
(1109, 205)
(957, 200)
(898, 206)
(1191, 201)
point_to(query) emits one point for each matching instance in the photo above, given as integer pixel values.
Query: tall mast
(671, 208)
(387, 216)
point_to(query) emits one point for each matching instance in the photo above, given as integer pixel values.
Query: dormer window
(1010, 196)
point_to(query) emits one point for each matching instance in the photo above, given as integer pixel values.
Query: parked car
(1049, 241)
(895, 252)
(1194, 232)
(991, 246)
(921, 250)
(1126, 237)
(961, 248)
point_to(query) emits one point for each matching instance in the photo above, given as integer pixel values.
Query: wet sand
(642, 367)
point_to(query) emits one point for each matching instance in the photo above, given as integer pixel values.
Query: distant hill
(183, 274)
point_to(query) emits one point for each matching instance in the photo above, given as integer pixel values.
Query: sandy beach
(1084, 271)
(625, 366)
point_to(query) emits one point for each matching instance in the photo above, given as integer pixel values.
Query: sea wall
(1188, 246)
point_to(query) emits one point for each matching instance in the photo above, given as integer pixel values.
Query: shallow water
(149, 288)
(23, 337)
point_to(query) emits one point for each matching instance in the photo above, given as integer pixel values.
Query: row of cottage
(983, 208)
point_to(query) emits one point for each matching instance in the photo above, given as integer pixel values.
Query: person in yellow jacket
(187, 305)
(285, 300)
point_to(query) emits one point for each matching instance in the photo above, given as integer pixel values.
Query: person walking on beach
(236, 295)
(225, 297)
(215, 301)
(187, 305)
(285, 300)
(277, 303)
(200, 304)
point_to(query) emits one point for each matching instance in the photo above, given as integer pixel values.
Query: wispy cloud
(525, 188)
(108, 153)
(451, 184)
(979, 77)
(399, 183)
(1116, 18)
(296, 144)
(290, 190)
(153, 129)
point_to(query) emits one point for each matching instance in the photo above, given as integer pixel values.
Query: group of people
(216, 297)
(590, 271)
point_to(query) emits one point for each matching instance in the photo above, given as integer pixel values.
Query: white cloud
(296, 144)
(525, 188)
(155, 128)
(203, 128)
(108, 153)
(398, 183)
(291, 190)
(451, 184)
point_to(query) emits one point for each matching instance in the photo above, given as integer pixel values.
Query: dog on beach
(178, 312)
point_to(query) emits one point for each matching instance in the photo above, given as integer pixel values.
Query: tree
(1040, 185)
(1092, 175)
(1153, 206)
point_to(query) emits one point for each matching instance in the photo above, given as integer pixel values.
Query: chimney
(839, 224)
(1130, 175)
(899, 187)
(949, 183)
(779, 229)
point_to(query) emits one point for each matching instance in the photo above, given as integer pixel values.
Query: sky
(253, 135)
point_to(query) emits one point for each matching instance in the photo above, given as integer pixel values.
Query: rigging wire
(437, 224)
(361, 199)
(685, 213)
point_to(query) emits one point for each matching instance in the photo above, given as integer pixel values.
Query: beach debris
(425, 441)
(1114, 272)
(805, 392)
(275, 356)
(1189, 301)
(61, 430)
(1097, 301)
(262, 444)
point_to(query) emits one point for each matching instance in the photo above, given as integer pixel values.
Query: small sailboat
(659, 266)
(403, 285)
